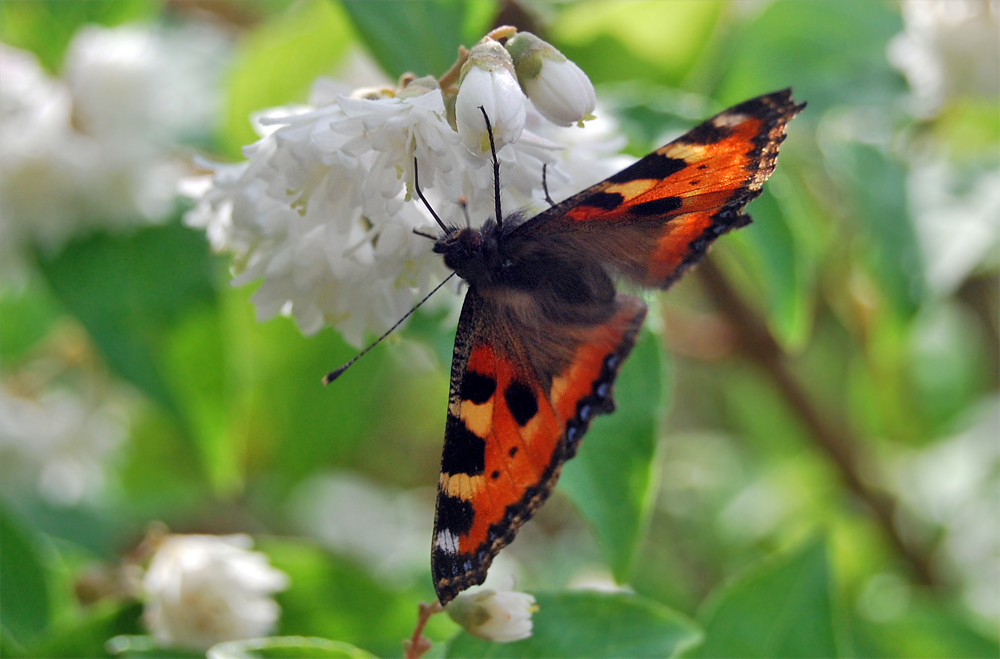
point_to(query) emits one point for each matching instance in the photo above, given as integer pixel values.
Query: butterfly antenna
(496, 167)
(333, 375)
(416, 184)
(545, 185)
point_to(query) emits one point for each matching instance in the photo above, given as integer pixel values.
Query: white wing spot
(446, 541)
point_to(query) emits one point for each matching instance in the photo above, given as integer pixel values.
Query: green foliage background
(230, 417)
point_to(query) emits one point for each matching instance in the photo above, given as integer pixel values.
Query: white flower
(202, 589)
(557, 87)
(489, 82)
(95, 149)
(501, 616)
(949, 48)
(58, 443)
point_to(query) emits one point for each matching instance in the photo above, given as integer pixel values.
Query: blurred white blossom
(957, 216)
(501, 616)
(203, 589)
(948, 48)
(58, 443)
(955, 485)
(387, 530)
(323, 210)
(97, 147)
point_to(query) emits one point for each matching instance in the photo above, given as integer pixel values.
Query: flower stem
(845, 451)
(415, 646)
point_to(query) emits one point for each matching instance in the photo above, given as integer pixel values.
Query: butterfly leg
(545, 185)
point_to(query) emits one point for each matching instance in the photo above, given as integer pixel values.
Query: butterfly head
(471, 253)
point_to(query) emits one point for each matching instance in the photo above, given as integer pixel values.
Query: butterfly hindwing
(510, 428)
(657, 217)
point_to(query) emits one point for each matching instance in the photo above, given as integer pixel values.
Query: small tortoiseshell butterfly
(543, 330)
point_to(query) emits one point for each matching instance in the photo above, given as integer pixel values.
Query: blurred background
(828, 378)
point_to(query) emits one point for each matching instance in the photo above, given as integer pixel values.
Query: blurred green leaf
(616, 41)
(612, 478)
(278, 62)
(420, 37)
(194, 360)
(87, 637)
(45, 27)
(782, 608)
(24, 597)
(831, 53)
(331, 597)
(282, 647)
(26, 316)
(925, 629)
(586, 624)
(877, 184)
(769, 256)
(127, 290)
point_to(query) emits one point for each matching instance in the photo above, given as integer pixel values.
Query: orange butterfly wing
(510, 429)
(657, 217)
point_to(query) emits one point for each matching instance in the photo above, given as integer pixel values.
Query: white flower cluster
(203, 589)
(58, 443)
(324, 209)
(94, 149)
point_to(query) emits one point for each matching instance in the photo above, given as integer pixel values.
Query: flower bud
(558, 88)
(488, 80)
(500, 616)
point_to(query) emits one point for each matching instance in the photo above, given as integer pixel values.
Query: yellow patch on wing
(462, 486)
(478, 418)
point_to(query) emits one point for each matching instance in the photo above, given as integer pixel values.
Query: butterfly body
(544, 330)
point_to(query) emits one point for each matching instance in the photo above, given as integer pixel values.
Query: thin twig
(755, 342)
(415, 646)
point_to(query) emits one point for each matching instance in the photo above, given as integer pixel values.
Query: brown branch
(755, 342)
(415, 646)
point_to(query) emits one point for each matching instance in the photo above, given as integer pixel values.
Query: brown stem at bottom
(415, 646)
(757, 344)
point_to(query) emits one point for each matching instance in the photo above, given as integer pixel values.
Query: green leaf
(612, 478)
(46, 27)
(779, 609)
(278, 62)
(287, 647)
(420, 37)
(586, 624)
(771, 259)
(831, 53)
(88, 636)
(24, 597)
(27, 314)
(616, 41)
(332, 597)
(127, 290)
(877, 184)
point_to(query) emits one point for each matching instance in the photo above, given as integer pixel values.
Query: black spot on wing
(495, 475)
(464, 451)
(521, 401)
(604, 200)
(512, 452)
(653, 166)
(477, 388)
(660, 206)
(707, 133)
(453, 514)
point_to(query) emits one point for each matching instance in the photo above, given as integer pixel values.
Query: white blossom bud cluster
(204, 589)
(501, 616)
(324, 209)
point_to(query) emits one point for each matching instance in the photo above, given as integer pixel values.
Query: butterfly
(544, 330)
